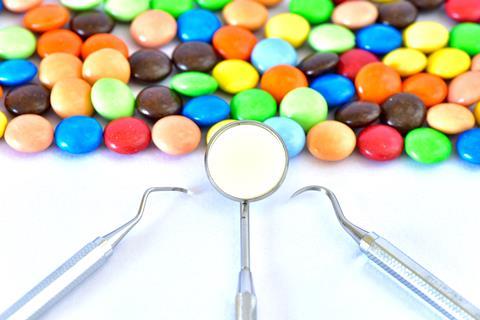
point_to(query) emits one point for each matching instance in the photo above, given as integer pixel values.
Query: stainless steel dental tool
(246, 161)
(396, 263)
(76, 269)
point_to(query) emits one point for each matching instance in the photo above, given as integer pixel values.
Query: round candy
(331, 141)
(376, 82)
(16, 72)
(450, 118)
(102, 41)
(112, 99)
(80, 5)
(106, 63)
(404, 112)
(448, 63)
(156, 102)
(176, 135)
(197, 25)
(58, 66)
(355, 14)
(465, 89)
(153, 28)
(315, 11)
(217, 126)
(29, 98)
(290, 27)
(427, 145)
(23, 39)
(352, 61)
(269, 3)
(280, 80)
(46, 17)
(175, 8)
(468, 146)
(247, 14)
(306, 106)
(272, 52)
(3, 123)
(194, 56)
(194, 84)
(87, 24)
(253, 104)
(358, 114)
(20, 5)
(476, 112)
(331, 38)
(463, 10)
(429, 88)
(234, 76)
(399, 14)
(426, 36)
(71, 97)
(318, 63)
(127, 135)
(60, 40)
(336, 89)
(476, 63)
(78, 134)
(463, 36)
(150, 65)
(213, 4)
(29, 133)
(379, 39)
(125, 10)
(234, 42)
(206, 110)
(380, 143)
(406, 61)
(427, 4)
(291, 133)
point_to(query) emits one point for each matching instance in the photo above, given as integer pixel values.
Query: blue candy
(291, 133)
(206, 110)
(379, 39)
(16, 72)
(273, 52)
(468, 146)
(78, 134)
(197, 25)
(336, 89)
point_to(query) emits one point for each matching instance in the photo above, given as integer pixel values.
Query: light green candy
(80, 5)
(175, 8)
(112, 99)
(126, 10)
(194, 84)
(306, 106)
(16, 43)
(213, 4)
(427, 145)
(331, 38)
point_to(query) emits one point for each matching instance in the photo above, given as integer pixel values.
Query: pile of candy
(384, 74)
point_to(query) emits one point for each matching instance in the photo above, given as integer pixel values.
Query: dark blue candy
(197, 25)
(379, 39)
(336, 89)
(468, 146)
(17, 72)
(78, 134)
(206, 110)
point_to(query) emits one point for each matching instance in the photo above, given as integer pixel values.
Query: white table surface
(181, 261)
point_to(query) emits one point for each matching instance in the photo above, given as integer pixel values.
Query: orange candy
(282, 79)
(176, 135)
(106, 63)
(431, 89)
(58, 66)
(331, 141)
(268, 3)
(234, 42)
(71, 97)
(59, 41)
(245, 13)
(153, 28)
(20, 5)
(376, 82)
(102, 41)
(46, 17)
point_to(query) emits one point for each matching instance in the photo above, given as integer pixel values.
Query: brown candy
(318, 63)
(150, 65)
(427, 4)
(156, 102)
(404, 112)
(27, 99)
(87, 24)
(358, 114)
(194, 56)
(399, 14)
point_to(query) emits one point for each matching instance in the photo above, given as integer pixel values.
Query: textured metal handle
(59, 282)
(246, 306)
(416, 278)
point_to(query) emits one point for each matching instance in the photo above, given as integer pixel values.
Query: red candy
(127, 135)
(380, 143)
(463, 10)
(353, 60)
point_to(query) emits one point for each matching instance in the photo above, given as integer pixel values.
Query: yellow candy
(476, 112)
(3, 123)
(217, 126)
(290, 27)
(426, 36)
(406, 61)
(448, 63)
(234, 76)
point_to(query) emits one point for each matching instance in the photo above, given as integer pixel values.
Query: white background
(181, 261)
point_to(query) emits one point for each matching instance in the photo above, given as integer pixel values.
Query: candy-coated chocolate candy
(358, 114)
(16, 72)
(476, 112)
(60, 40)
(29, 133)
(448, 63)
(380, 143)
(336, 89)
(290, 27)
(112, 99)
(234, 42)
(217, 126)
(253, 104)
(156, 102)
(23, 39)
(379, 39)
(468, 146)
(20, 5)
(318, 63)
(406, 61)
(102, 41)
(269, 3)
(331, 38)
(80, 5)
(197, 25)
(431, 89)
(176, 135)
(476, 63)
(175, 8)
(464, 37)
(450, 118)
(46, 17)
(29, 98)
(315, 11)
(3, 123)
(331, 141)
(376, 82)
(399, 14)
(353, 60)
(127, 135)
(71, 97)
(427, 145)
(427, 4)
(465, 89)
(306, 106)
(58, 66)
(78, 134)
(87, 24)
(194, 56)
(194, 84)
(291, 133)
(106, 63)
(153, 28)
(213, 4)
(463, 10)
(247, 14)
(272, 52)
(280, 80)
(125, 10)
(355, 14)
(426, 36)
(150, 65)
(234, 76)
(206, 110)
(404, 112)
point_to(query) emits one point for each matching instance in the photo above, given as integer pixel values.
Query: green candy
(16, 43)
(126, 10)
(194, 84)
(427, 145)
(304, 105)
(315, 11)
(213, 4)
(253, 104)
(465, 36)
(175, 8)
(331, 38)
(112, 99)
(81, 5)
